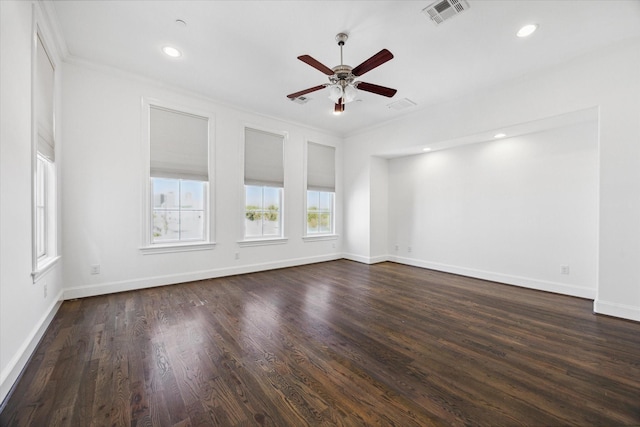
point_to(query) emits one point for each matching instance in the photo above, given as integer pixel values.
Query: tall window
(44, 184)
(263, 183)
(320, 189)
(179, 181)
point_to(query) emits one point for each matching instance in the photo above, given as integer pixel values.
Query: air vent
(301, 99)
(442, 10)
(401, 104)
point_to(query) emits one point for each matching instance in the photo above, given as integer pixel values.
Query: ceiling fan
(342, 78)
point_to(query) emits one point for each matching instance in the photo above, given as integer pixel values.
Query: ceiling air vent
(442, 10)
(301, 99)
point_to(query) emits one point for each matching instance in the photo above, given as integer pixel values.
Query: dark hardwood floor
(337, 343)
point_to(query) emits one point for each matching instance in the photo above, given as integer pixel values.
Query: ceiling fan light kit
(342, 78)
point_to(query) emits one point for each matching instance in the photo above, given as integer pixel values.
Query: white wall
(104, 176)
(512, 210)
(608, 80)
(25, 312)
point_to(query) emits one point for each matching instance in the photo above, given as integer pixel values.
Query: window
(44, 170)
(179, 178)
(319, 212)
(320, 189)
(262, 211)
(178, 210)
(263, 184)
(43, 178)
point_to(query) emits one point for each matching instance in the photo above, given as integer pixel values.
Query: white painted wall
(379, 209)
(104, 177)
(24, 310)
(608, 80)
(512, 210)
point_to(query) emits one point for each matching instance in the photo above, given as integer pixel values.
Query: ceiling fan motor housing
(342, 75)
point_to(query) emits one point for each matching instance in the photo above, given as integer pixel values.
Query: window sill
(263, 242)
(174, 248)
(320, 237)
(43, 268)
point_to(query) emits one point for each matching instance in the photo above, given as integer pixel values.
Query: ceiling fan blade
(316, 64)
(306, 91)
(375, 61)
(378, 90)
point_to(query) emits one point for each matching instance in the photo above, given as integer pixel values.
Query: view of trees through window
(262, 212)
(319, 212)
(178, 210)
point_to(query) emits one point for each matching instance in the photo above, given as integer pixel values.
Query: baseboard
(12, 372)
(525, 282)
(150, 282)
(364, 259)
(617, 310)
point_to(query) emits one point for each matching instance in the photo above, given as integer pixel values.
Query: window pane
(324, 225)
(253, 196)
(272, 198)
(326, 201)
(253, 227)
(192, 195)
(191, 225)
(313, 200)
(165, 193)
(312, 221)
(166, 226)
(40, 234)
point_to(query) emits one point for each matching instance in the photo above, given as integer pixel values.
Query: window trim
(40, 265)
(244, 241)
(333, 235)
(147, 247)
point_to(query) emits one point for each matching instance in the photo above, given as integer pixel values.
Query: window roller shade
(44, 103)
(263, 158)
(321, 167)
(179, 145)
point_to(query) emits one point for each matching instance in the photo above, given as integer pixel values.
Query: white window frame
(208, 243)
(264, 211)
(43, 180)
(332, 214)
(312, 237)
(179, 209)
(246, 241)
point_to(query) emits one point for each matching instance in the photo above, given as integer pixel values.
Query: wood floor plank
(331, 344)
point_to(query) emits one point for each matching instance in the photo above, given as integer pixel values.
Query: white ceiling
(243, 53)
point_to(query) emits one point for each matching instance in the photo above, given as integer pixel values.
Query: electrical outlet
(564, 269)
(237, 255)
(409, 249)
(95, 269)
(45, 290)
(397, 247)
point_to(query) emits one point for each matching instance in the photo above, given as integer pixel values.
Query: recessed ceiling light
(426, 149)
(172, 52)
(181, 23)
(527, 30)
(499, 135)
